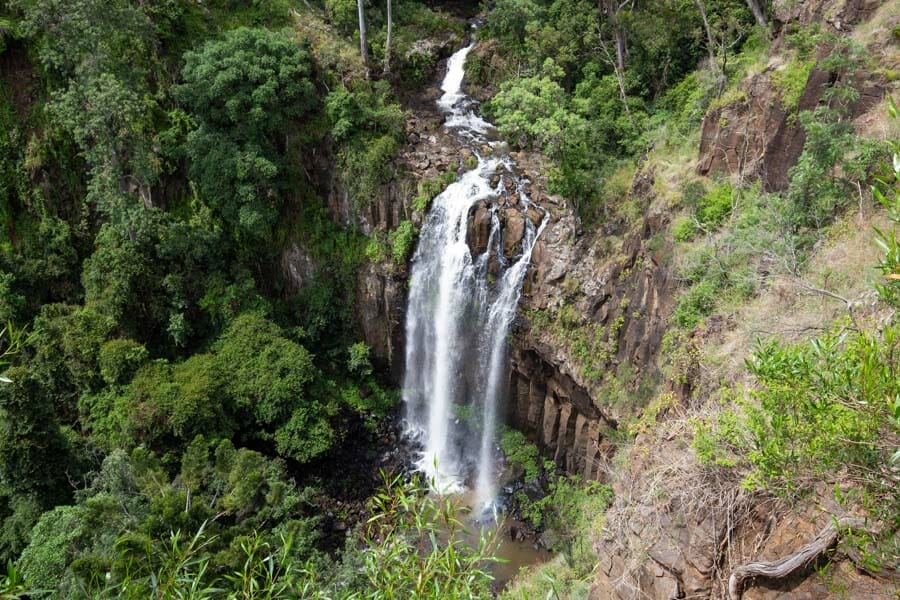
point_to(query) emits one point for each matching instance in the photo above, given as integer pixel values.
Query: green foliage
(359, 362)
(412, 62)
(720, 269)
(508, 20)
(120, 359)
(521, 454)
(564, 96)
(34, 454)
(718, 441)
(12, 340)
(402, 240)
(271, 382)
(833, 157)
(683, 230)
(714, 207)
(531, 112)
(429, 189)
(122, 538)
(376, 250)
(572, 509)
(274, 394)
(834, 403)
(369, 125)
(12, 583)
(245, 91)
(827, 410)
(696, 304)
(146, 275)
(404, 556)
(342, 14)
(100, 53)
(52, 546)
(887, 192)
(791, 82)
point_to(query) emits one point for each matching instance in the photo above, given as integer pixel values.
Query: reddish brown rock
(513, 231)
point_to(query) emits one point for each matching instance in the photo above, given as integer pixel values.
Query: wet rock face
(380, 309)
(479, 232)
(513, 222)
(297, 266)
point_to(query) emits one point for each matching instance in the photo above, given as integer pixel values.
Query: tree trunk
(758, 11)
(387, 43)
(363, 46)
(710, 43)
(621, 49)
(783, 567)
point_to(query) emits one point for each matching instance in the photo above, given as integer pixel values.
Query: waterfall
(459, 310)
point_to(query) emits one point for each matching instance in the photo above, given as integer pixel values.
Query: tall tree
(387, 43)
(759, 12)
(363, 46)
(247, 92)
(710, 42)
(612, 10)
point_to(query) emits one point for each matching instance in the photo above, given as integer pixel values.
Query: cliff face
(620, 283)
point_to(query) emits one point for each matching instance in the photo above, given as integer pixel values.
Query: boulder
(479, 229)
(513, 231)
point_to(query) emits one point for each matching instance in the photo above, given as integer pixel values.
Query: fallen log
(783, 567)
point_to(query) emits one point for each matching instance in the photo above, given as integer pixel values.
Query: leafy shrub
(823, 406)
(376, 250)
(573, 509)
(358, 362)
(245, 91)
(715, 206)
(508, 18)
(369, 125)
(887, 192)
(521, 454)
(53, 540)
(532, 111)
(343, 15)
(696, 304)
(402, 240)
(429, 189)
(684, 230)
(119, 359)
(791, 81)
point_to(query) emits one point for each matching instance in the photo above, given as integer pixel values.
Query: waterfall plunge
(459, 313)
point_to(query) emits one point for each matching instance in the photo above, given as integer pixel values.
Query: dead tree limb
(783, 567)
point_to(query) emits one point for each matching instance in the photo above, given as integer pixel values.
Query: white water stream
(459, 310)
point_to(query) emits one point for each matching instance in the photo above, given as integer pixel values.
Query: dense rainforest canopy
(173, 406)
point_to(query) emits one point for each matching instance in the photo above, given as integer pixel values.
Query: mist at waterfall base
(459, 311)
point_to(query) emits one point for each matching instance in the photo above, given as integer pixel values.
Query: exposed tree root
(783, 567)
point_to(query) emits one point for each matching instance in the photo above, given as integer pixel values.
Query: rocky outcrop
(838, 15)
(756, 136)
(619, 287)
(297, 266)
(672, 534)
(380, 308)
(557, 414)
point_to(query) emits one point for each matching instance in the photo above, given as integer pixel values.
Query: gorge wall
(595, 307)
(616, 280)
